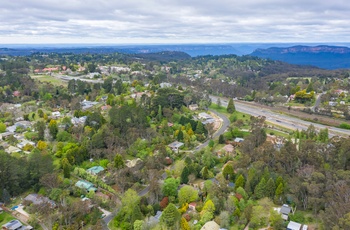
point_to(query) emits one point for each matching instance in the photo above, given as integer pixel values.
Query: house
(332, 103)
(78, 121)
(56, 114)
(210, 225)
(105, 107)
(176, 145)
(192, 206)
(6, 135)
(228, 148)
(238, 140)
(285, 210)
(293, 226)
(13, 225)
(95, 170)
(12, 149)
(165, 85)
(154, 219)
(193, 107)
(204, 116)
(87, 104)
(38, 200)
(24, 143)
(86, 185)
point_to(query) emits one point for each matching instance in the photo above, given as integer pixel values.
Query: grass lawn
(222, 109)
(50, 79)
(277, 133)
(5, 217)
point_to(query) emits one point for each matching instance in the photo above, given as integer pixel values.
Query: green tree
(221, 139)
(118, 161)
(184, 175)
(228, 172)
(40, 128)
(66, 167)
(309, 88)
(53, 128)
(170, 217)
(138, 224)
(180, 136)
(240, 181)
(270, 188)
(323, 135)
(159, 114)
(209, 206)
(2, 127)
(184, 224)
(200, 128)
(187, 194)
(231, 106)
(170, 187)
(260, 189)
(108, 84)
(136, 214)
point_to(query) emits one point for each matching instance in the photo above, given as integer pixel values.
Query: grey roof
(293, 226)
(176, 144)
(238, 139)
(285, 209)
(12, 225)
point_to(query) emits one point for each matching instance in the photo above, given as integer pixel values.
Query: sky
(173, 21)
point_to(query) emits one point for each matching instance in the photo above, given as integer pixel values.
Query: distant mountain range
(323, 56)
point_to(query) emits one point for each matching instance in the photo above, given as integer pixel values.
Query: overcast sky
(173, 21)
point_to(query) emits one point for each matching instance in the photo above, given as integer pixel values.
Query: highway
(282, 120)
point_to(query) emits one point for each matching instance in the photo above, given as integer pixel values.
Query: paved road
(288, 122)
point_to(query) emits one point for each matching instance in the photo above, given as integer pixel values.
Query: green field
(5, 217)
(50, 79)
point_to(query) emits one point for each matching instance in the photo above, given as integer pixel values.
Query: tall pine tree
(231, 106)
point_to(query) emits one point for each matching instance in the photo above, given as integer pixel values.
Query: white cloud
(173, 21)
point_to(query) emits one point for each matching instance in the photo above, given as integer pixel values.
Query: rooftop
(95, 170)
(293, 226)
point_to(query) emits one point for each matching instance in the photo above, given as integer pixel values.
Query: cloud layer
(173, 21)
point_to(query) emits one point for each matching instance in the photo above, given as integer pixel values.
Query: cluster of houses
(11, 131)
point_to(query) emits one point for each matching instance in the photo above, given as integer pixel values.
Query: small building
(175, 146)
(56, 114)
(238, 140)
(332, 103)
(193, 107)
(192, 206)
(86, 185)
(95, 170)
(210, 225)
(12, 225)
(285, 210)
(293, 226)
(165, 85)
